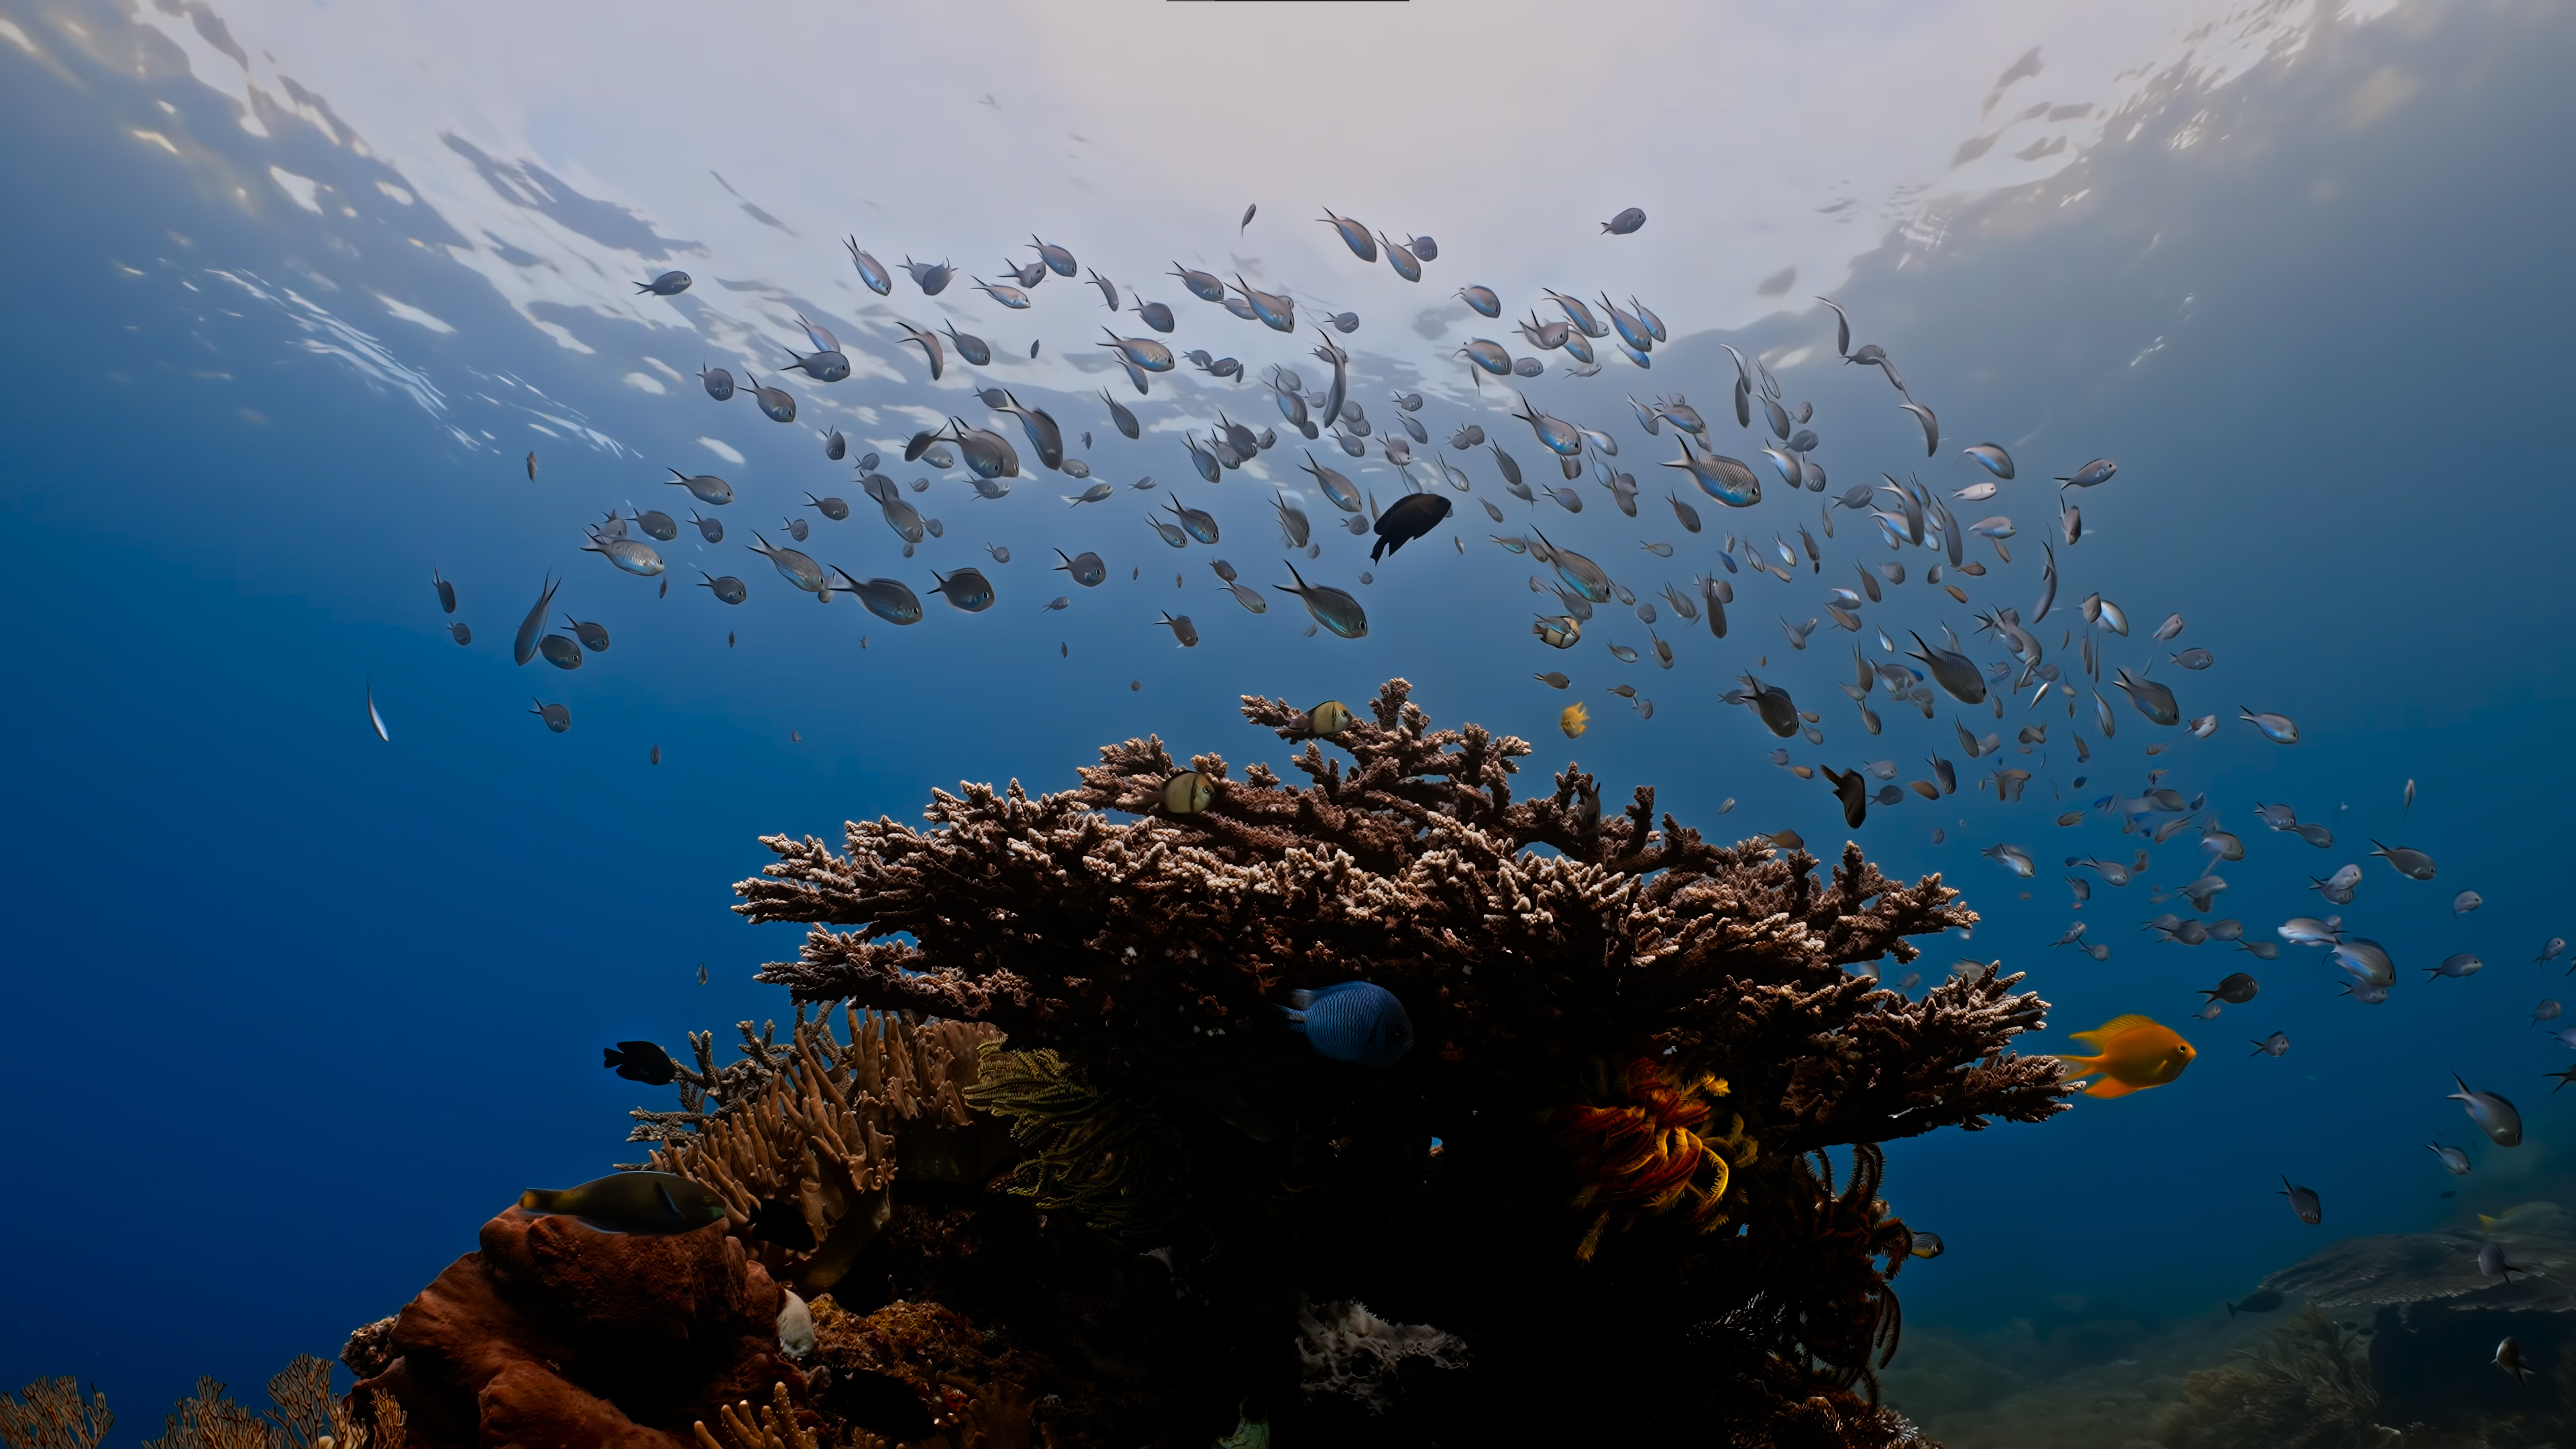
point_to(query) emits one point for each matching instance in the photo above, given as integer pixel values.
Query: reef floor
(2379, 1342)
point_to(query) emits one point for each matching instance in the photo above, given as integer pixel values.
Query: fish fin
(2115, 1025)
(538, 1200)
(2080, 1066)
(2112, 1087)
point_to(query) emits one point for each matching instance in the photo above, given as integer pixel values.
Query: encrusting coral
(558, 1333)
(1543, 1177)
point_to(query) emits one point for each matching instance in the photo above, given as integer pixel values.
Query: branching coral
(209, 1419)
(831, 1125)
(1121, 941)
(772, 1426)
(1136, 964)
(53, 1415)
(307, 1415)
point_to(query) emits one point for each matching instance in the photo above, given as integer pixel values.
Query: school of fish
(1945, 617)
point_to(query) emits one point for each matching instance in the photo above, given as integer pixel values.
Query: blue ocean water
(298, 1008)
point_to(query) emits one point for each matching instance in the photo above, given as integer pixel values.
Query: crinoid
(1822, 1262)
(1647, 1152)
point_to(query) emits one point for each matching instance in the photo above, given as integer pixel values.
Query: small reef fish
(2494, 1115)
(2508, 1356)
(1188, 793)
(1573, 720)
(641, 1061)
(1355, 1021)
(2492, 1264)
(2303, 1201)
(1928, 1245)
(631, 1202)
(2135, 1054)
(796, 1326)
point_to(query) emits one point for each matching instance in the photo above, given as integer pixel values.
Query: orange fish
(2136, 1054)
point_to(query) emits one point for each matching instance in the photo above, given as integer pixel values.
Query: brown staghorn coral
(830, 1127)
(1135, 965)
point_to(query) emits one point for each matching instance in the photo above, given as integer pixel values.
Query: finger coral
(829, 1127)
(1634, 1065)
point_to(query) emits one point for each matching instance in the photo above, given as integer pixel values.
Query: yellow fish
(1573, 720)
(2136, 1054)
(1188, 793)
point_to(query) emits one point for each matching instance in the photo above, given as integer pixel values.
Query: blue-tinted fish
(888, 599)
(1330, 607)
(1397, 256)
(1355, 1021)
(968, 589)
(2091, 475)
(871, 271)
(1058, 260)
(2494, 1115)
(974, 349)
(1354, 235)
(1202, 285)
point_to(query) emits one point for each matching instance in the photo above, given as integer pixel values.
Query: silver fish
(871, 271)
(2277, 728)
(2412, 864)
(1355, 235)
(2494, 1115)
(1330, 607)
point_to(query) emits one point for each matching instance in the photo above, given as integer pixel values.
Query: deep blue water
(294, 1010)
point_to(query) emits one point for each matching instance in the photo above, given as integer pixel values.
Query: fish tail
(2113, 1087)
(539, 1200)
(2080, 1066)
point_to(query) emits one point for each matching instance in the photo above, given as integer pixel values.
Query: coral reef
(1541, 1185)
(306, 1415)
(2307, 1386)
(825, 1127)
(974, 1393)
(53, 1415)
(557, 1333)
